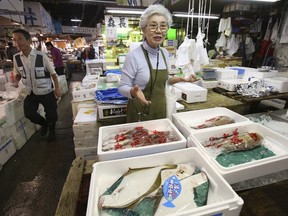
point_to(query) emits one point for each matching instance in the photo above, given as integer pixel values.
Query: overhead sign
(38, 16)
(15, 6)
(80, 30)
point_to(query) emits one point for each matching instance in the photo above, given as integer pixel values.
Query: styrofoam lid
(86, 115)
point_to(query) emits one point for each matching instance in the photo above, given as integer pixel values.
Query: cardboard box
(184, 121)
(191, 93)
(237, 173)
(222, 200)
(159, 125)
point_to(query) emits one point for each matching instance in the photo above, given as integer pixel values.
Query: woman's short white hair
(155, 9)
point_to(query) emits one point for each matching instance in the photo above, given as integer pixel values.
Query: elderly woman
(145, 71)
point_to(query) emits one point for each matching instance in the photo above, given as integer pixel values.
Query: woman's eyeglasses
(154, 27)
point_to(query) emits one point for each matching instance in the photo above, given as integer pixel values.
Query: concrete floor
(32, 180)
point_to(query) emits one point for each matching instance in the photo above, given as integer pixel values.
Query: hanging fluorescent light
(76, 20)
(181, 14)
(124, 11)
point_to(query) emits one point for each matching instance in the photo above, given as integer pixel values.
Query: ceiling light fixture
(76, 20)
(181, 14)
(124, 11)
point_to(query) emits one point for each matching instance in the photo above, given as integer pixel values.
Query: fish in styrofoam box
(272, 144)
(90, 79)
(84, 92)
(7, 150)
(193, 121)
(279, 83)
(191, 93)
(107, 135)
(85, 123)
(222, 200)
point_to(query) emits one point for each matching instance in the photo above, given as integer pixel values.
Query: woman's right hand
(136, 92)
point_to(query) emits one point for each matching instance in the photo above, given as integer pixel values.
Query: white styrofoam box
(113, 77)
(191, 93)
(12, 109)
(111, 111)
(89, 153)
(229, 84)
(234, 174)
(81, 104)
(85, 123)
(21, 132)
(222, 200)
(185, 120)
(84, 92)
(102, 84)
(254, 72)
(209, 84)
(4, 129)
(280, 83)
(7, 149)
(178, 93)
(85, 142)
(97, 71)
(90, 79)
(159, 125)
(10, 87)
(3, 79)
(226, 73)
(179, 106)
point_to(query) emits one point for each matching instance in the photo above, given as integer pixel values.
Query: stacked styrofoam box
(222, 200)
(255, 73)
(90, 79)
(85, 131)
(226, 73)
(84, 92)
(160, 125)
(230, 84)
(2, 82)
(12, 109)
(191, 93)
(274, 141)
(77, 104)
(63, 87)
(279, 83)
(7, 149)
(21, 132)
(184, 121)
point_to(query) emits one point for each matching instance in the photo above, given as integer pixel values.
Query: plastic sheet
(110, 96)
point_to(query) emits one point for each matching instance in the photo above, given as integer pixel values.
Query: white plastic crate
(191, 93)
(222, 200)
(85, 123)
(7, 149)
(280, 83)
(159, 125)
(184, 121)
(241, 172)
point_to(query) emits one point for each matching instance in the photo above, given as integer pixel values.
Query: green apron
(154, 91)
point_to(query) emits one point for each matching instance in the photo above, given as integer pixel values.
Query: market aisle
(31, 181)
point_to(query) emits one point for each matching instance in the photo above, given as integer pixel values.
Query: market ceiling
(91, 12)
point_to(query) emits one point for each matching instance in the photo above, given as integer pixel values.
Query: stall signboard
(80, 30)
(39, 16)
(115, 25)
(13, 5)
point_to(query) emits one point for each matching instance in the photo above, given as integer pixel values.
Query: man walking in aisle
(35, 71)
(57, 58)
